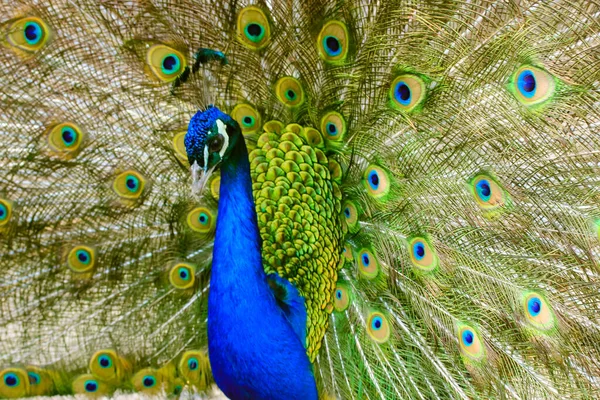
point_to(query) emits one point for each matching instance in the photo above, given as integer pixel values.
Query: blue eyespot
(290, 95)
(467, 337)
(484, 190)
(68, 135)
(203, 218)
(34, 378)
(132, 183)
(526, 83)
(183, 273)
(83, 256)
(148, 381)
(366, 260)
(402, 93)
(373, 179)
(90, 386)
(33, 33)
(254, 32)
(105, 361)
(11, 380)
(170, 64)
(338, 294)
(192, 364)
(332, 130)
(376, 323)
(248, 121)
(347, 212)
(419, 250)
(534, 305)
(3, 212)
(332, 46)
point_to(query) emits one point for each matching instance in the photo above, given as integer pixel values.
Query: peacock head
(210, 138)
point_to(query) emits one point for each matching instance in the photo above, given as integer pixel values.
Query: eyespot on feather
(470, 343)
(367, 264)
(202, 220)
(14, 383)
(194, 367)
(378, 327)
(253, 28)
(333, 42)
(88, 385)
(341, 297)
(422, 255)
(215, 185)
(407, 92)
(129, 185)
(108, 366)
(182, 275)
(247, 117)
(28, 34)
(165, 62)
(289, 91)
(40, 381)
(148, 380)
(488, 193)
(377, 182)
(537, 311)
(350, 213)
(6, 210)
(81, 258)
(333, 126)
(532, 86)
(65, 139)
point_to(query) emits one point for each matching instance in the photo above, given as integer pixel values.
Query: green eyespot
(81, 258)
(129, 184)
(165, 62)
(247, 117)
(182, 275)
(333, 42)
(253, 29)
(201, 220)
(289, 91)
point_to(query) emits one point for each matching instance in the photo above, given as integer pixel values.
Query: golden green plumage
(298, 206)
(437, 210)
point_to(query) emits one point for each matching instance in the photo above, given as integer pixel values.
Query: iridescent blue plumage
(256, 348)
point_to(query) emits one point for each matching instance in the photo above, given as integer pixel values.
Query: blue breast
(254, 351)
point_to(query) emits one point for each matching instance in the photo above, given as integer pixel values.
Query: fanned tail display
(383, 200)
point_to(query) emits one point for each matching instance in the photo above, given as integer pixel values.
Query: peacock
(316, 199)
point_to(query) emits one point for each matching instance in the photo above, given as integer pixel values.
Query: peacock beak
(199, 178)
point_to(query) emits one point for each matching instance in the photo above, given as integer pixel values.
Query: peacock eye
(34, 379)
(193, 364)
(532, 86)
(407, 93)
(253, 29)
(182, 276)
(165, 62)
(91, 386)
(149, 381)
(11, 380)
(216, 144)
(332, 42)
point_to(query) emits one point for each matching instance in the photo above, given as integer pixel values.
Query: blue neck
(249, 338)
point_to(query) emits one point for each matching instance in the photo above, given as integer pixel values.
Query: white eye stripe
(223, 132)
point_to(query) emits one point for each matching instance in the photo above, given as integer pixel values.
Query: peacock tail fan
(425, 174)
